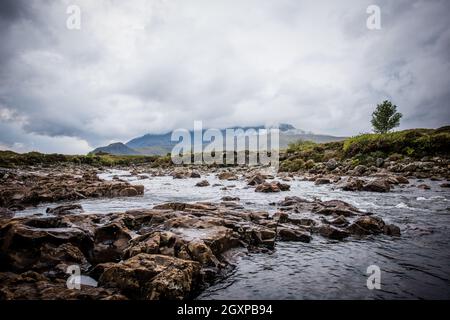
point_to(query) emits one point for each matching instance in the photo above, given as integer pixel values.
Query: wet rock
(335, 207)
(367, 225)
(340, 221)
(281, 217)
(148, 243)
(65, 209)
(62, 256)
(445, 185)
(195, 174)
(287, 234)
(200, 252)
(353, 185)
(21, 245)
(424, 186)
(110, 241)
(272, 187)
(401, 180)
(227, 176)
(203, 183)
(31, 285)
(392, 230)
(377, 185)
(131, 192)
(181, 206)
(331, 232)
(320, 181)
(32, 189)
(229, 198)
(153, 277)
(255, 180)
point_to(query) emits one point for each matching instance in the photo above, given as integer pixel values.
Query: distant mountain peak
(160, 144)
(286, 127)
(117, 148)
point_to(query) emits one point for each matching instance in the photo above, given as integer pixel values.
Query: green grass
(365, 148)
(12, 159)
(412, 143)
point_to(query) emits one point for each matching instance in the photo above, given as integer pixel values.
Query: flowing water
(414, 266)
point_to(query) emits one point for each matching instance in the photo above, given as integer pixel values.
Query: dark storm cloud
(152, 66)
(13, 9)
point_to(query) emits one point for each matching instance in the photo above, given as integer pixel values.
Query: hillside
(117, 148)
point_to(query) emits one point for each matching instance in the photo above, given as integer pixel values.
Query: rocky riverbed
(181, 233)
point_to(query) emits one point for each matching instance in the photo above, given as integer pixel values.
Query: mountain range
(161, 144)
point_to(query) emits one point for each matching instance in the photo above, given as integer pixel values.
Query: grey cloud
(152, 66)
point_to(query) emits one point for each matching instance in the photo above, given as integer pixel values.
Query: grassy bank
(10, 159)
(366, 148)
(362, 149)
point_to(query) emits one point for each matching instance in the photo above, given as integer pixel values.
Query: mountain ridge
(161, 144)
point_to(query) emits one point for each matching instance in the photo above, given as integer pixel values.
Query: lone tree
(385, 117)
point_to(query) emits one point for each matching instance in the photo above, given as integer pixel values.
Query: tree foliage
(385, 117)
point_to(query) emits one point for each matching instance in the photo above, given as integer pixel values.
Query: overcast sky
(142, 66)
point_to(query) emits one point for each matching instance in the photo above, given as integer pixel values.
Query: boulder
(227, 176)
(148, 243)
(229, 198)
(360, 169)
(353, 185)
(129, 192)
(367, 225)
(392, 230)
(152, 277)
(65, 209)
(195, 174)
(331, 232)
(110, 241)
(272, 187)
(377, 185)
(21, 245)
(255, 180)
(203, 183)
(287, 234)
(331, 164)
(379, 162)
(401, 180)
(320, 181)
(31, 285)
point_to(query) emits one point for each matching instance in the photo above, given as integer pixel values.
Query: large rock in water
(109, 242)
(31, 285)
(23, 247)
(272, 187)
(378, 185)
(227, 176)
(203, 183)
(152, 277)
(331, 232)
(32, 189)
(255, 180)
(368, 225)
(65, 209)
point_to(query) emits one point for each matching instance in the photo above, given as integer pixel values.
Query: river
(414, 266)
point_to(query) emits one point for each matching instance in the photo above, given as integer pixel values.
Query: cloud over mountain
(152, 66)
